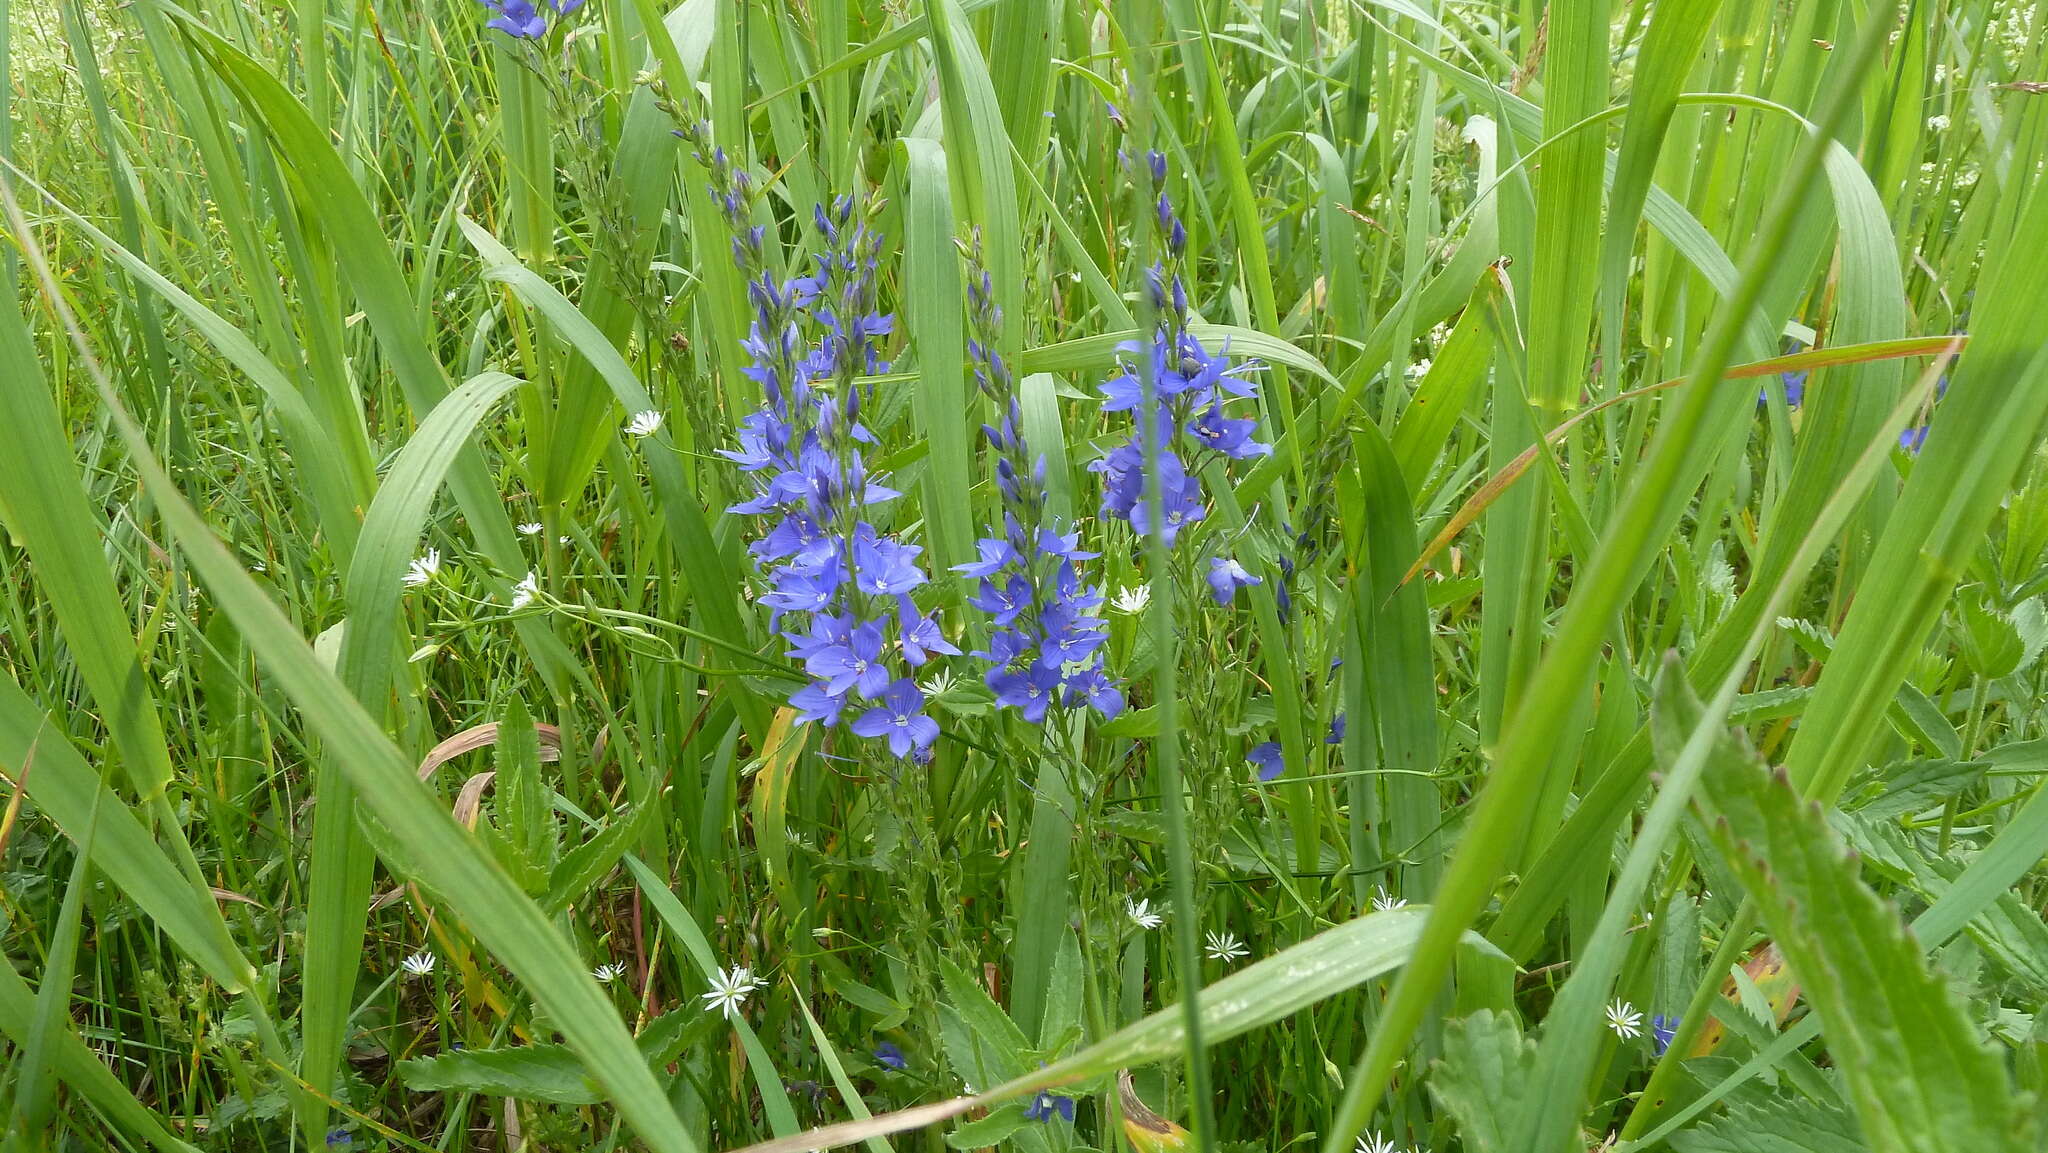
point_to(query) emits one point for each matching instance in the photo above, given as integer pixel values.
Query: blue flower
(889, 1056)
(1044, 650)
(814, 702)
(517, 18)
(340, 1139)
(1913, 439)
(885, 567)
(855, 663)
(1029, 692)
(1795, 389)
(1336, 736)
(1662, 1030)
(837, 586)
(1221, 434)
(996, 555)
(1226, 576)
(1047, 1105)
(1267, 756)
(899, 716)
(1178, 400)
(920, 635)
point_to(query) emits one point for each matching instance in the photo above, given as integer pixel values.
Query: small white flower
(1420, 368)
(1625, 1019)
(524, 592)
(1142, 914)
(1937, 124)
(643, 424)
(530, 528)
(938, 684)
(1383, 902)
(422, 569)
(563, 539)
(608, 972)
(419, 964)
(1132, 601)
(1373, 1142)
(729, 990)
(1224, 947)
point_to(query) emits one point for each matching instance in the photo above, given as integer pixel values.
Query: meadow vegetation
(1057, 575)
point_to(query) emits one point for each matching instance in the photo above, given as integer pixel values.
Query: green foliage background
(1705, 706)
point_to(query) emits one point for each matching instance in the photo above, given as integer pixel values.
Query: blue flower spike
(1045, 651)
(838, 588)
(1185, 412)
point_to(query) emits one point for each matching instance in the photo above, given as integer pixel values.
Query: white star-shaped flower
(730, 989)
(1142, 914)
(524, 592)
(531, 528)
(1372, 1141)
(422, 569)
(1383, 902)
(419, 964)
(1224, 947)
(608, 972)
(1625, 1019)
(643, 424)
(1132, 600)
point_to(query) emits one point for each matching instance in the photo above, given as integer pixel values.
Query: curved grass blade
(1257, 995)
(710, 578)
(1499, 482)
(449, 860)
(371, 649)
(78, 1066)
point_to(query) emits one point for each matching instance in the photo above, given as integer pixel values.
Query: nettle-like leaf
(1917, 1075)
(2011, 934)
(1908, 787)
(1483, 1077)
(1782, 1126)
(1812, 638)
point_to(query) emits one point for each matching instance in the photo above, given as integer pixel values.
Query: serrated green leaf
(1783, 1126)
(1918, 1076)
(1483, 1078)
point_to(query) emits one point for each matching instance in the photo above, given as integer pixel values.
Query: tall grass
(1633, 626)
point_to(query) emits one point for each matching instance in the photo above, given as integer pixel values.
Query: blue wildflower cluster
(839, 589)
(1046, 647)
(522, 19)
(1185, 411)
